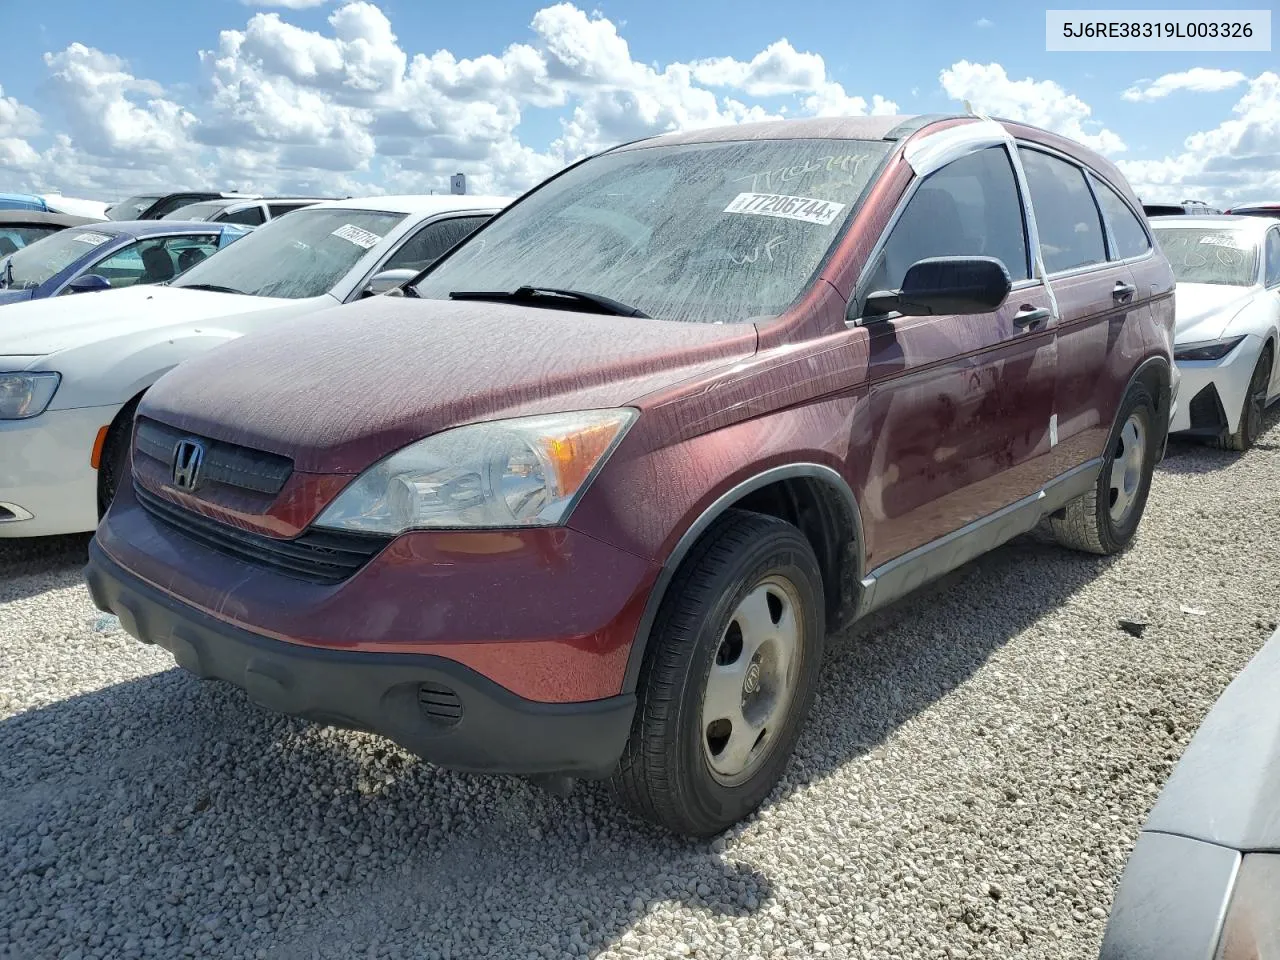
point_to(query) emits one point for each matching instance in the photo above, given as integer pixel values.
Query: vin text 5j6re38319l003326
(587, 499)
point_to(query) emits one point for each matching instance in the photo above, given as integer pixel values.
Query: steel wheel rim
(752, 681)
(1126, 468)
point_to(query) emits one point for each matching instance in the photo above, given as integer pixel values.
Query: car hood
(340, 389)
(1204, 309)
(16, 296)
(42, 327)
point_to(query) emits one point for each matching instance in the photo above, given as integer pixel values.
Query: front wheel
(1105, 519)
(1255, 405)
(728, 677)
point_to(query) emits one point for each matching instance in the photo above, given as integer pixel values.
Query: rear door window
(1066, 216)
(1128, 236)
(968, 208)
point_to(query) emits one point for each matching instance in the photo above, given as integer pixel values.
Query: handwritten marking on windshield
(848, 163)
(766, 248)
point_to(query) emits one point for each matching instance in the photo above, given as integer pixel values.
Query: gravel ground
(978, 765)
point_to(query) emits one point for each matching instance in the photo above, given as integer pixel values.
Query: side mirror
(942, 285)
(388, 280)
(88, 283)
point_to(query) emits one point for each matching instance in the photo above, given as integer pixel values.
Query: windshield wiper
(210, 286)
(603, 304)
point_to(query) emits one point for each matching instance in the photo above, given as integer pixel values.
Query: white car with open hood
(72, 369)
(1228, 323)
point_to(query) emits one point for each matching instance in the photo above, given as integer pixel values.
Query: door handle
(1123, 291)
(1026, 316)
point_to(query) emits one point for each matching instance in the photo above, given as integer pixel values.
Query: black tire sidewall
(783, 553)
(1113, 536)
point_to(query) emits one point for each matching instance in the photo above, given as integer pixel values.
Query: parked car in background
(1194, 208)
(250, 212)
(106, 255)
(1203, 881)
(153, 206)
(18, 228)
(1271, 209)
(53, 203)
(72, 370)
(586, 499)
(1228, 272)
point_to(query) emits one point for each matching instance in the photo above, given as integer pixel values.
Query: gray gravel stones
(978, 764)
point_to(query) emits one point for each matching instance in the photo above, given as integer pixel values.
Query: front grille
(439, 703)
(318, 556)
(226, 463)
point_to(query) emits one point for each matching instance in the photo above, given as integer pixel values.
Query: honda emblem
(188, 457)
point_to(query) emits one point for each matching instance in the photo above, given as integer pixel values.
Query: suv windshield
(33, 265)
(706, 232)
(132, 208)
(1205, 255)
(302, 255)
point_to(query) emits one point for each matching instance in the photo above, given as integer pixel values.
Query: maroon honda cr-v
(586, 499)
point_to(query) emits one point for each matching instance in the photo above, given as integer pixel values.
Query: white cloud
(17, 119)
(777, 69)
(1237, 160)
(1042, 103)
(984, 23)
(1197, 79)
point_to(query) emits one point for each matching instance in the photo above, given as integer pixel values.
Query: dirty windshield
(708, 232)
(33, 265)
(1200, 255)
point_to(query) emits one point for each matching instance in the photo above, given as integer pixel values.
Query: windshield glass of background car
(195, 211)
(1206, 255)
(302, 255)
(708, 232)
(35, 264)
(131, 208)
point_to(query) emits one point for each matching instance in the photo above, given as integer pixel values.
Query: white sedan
(72, 369)
(1228, 323)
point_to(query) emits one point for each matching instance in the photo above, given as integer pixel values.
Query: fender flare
(789, 471)
(1165, 411)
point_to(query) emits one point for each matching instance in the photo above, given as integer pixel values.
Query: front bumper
(46, 474)
(1229, 378)
(432, 706)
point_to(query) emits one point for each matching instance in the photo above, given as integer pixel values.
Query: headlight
(1213, 350)
(527, 472)
(24, 395)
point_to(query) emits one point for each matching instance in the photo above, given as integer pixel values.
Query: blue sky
(134, 106)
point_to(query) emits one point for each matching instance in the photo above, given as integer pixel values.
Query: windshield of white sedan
(1205, 255)
(707, 232)
(302, 255)
(33, 265)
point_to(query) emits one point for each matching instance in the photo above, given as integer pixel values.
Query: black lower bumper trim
(400, 696)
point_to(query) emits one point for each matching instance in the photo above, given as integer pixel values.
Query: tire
(113, 466)
(1255, 404)
(1088, 523)
(678, 767)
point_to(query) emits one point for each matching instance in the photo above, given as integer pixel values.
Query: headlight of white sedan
(24, 395)
(1206, 350)
(525, 472)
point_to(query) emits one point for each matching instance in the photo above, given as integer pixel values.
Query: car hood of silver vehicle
(1205, 309)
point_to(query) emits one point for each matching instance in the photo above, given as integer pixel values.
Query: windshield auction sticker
(361, 238)
(804, 209)
(91, 238)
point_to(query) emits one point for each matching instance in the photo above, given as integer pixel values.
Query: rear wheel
(1255, 405)
(728, 677)
(1105, 519)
